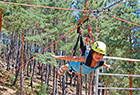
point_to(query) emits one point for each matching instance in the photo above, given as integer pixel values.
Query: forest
(31, 34)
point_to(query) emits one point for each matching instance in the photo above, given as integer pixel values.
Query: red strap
(80, 31)
(89, 35)
(86, 6)
(89, 29)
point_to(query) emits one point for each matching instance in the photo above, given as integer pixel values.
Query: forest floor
(7, 89)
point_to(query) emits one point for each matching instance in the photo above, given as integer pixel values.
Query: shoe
(60, 71)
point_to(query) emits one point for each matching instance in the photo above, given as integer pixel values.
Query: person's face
(97, 56)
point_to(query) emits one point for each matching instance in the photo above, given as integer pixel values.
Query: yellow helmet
(99, 47)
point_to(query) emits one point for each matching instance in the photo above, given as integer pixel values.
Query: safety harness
(83, 47)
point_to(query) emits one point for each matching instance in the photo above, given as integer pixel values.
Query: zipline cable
(118, 5)
(125, 21)
(40, 53)
(66, 9)
(113, 4)
(44, 6)
(109, 9)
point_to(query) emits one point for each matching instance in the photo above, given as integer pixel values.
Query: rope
(119, 4)
(113, 4)
(39, 53)
(44, 6)
(125, 21)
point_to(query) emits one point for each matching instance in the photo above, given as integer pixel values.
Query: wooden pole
(106, 87)
(130, 83)
(89, 84)
(92, 82)
(0, 27)
(130, 78)
(80, 75)
(22, 55)
(106, 82)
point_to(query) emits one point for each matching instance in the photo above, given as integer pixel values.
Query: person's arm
(70, 58)
(107, 66)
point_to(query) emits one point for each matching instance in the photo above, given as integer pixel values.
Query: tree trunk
(63, 85)
(47, 75)
(77, 87)
(15, 52)
(0, 28)
(7, 55)
(18, 61)
(21, 75)
(86, 84)
(42, 72)
(28, 56)
(54, 72)
(33, 69)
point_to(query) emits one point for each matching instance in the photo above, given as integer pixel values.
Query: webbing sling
(82, 47)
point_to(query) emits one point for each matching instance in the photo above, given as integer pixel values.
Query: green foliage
(43, 89)
(46, 59)
(12, 78)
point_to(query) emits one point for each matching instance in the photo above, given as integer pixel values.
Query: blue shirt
(75, 66)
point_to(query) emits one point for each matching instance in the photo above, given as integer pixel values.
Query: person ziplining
(90, 62)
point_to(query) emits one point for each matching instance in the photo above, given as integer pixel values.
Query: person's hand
(54, 56)
(108, 66)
